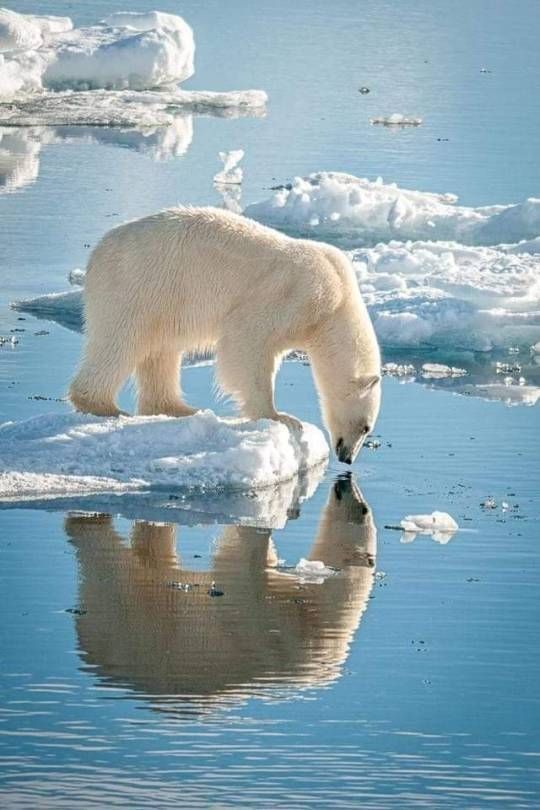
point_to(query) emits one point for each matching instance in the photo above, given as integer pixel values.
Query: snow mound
(54, 455)
(440, 525)
(354, 211)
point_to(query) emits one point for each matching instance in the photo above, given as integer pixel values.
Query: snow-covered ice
(124, 51)
(440, 525)
(67, 454)
(354, 211)
(232, 173)
(447, 294)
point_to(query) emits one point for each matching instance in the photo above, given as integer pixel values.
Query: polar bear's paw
(292, 422)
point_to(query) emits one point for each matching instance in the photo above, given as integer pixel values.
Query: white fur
(197, 279)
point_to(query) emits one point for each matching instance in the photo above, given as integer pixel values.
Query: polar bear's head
(350, 419)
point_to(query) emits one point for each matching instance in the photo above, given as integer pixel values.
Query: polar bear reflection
(265, 635)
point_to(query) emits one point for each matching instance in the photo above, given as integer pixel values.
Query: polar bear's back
(208, 262)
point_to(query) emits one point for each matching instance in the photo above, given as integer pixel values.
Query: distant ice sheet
(355, 212)
(59, 455)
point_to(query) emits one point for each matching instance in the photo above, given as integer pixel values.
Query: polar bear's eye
(366, 429)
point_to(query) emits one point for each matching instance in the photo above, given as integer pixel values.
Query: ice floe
(355, 211)
(122, 71)
(447, 294)
(75, 454)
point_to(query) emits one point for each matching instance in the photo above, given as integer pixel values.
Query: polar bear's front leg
(246, 371)
(158, 385)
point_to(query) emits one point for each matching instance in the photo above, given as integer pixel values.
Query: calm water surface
(411, 678)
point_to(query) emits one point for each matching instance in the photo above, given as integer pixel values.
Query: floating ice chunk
(373, 211)
(135, 51)
(450, 295)
(396, 120)
(440, 525)
(58, 454)
(489, 503)
(77, 277)
(399, 369)
(437, 371)
(536, 348)
(313, 572)
(232, 173)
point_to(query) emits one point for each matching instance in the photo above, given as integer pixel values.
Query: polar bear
(200, 279)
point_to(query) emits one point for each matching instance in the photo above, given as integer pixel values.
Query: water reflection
(150, 623)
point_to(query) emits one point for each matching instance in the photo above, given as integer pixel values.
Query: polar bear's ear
(364, 383)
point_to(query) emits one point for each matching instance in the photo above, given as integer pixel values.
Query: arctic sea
(150, 656)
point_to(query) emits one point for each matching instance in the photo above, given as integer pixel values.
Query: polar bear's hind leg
(158, 384)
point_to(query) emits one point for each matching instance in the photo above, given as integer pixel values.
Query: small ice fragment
(505, 506)
(489, 503)
(440, 522)
(364, 90)
(380, 575)
(507, 368)
(76, 277)
(399, 369)
(513, 350)
(373, 444)
(232, 173)
(396, 119)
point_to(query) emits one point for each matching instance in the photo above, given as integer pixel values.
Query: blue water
(418, 688)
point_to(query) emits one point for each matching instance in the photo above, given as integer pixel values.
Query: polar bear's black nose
(342, 451)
